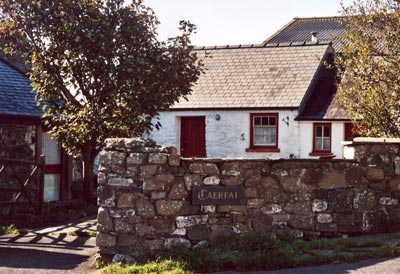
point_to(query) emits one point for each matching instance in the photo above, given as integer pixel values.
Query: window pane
(265, 136)
(318, 143)
(327, 143)
(319, 131)
(264, 121)
(257, 121)
(326, 131)
(272, 121)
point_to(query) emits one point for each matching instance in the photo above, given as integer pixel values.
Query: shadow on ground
(39, 259)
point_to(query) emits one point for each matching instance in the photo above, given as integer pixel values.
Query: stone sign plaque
(218, 195)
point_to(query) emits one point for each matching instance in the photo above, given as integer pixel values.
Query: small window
(263, 132)
(322, 138)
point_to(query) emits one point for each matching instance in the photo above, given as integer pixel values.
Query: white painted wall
(306, 138)
(224, 137)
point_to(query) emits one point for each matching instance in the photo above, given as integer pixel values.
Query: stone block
(101, 178)
(168, 208)
(126, 199)
(148, 171)
(178, 192)
(162, 223)
(253, 181)
(388, 201)
(251, 192)
(240, 218)
(231, 208)
(104, 221)
(128, 240)
(271, 209)
(122, 227)
(144, 230)
(340, 201)
(210, 169)
(122, 212)
(280, 219)
(230, 169)
(324, 218)
(198, 233)
(166, 178)
(112, 158)
(145, 208)
(154, 245)
(170, 242)
(180, 232)
(125, 182)
(136, 159)
(259, 221)
(158, 158)
(333, 180)
(151, 184)
(212, 180)
(231, 181)
(255, 202)
(190, 221)
(192, 180)
(105, 240)
(208, 208)
(156, 195)
(196, 168)
(311, 177)
(364, 200)
(220, 232)
(319, 205)
(105, 196)
(299, 208)
(302, 222)
(375, 174)
(290, 184)
(174, 160)
(394, 184)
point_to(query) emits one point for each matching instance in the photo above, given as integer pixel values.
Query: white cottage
(257, 101)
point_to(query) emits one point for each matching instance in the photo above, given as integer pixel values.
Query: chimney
(314, 37)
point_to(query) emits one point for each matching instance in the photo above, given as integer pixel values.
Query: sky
(231, 22)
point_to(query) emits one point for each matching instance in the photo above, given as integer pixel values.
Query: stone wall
(145, 196)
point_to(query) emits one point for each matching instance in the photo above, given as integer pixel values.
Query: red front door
(193, 136)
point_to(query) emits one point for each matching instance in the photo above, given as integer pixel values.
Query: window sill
(323, 155)
(270, 150)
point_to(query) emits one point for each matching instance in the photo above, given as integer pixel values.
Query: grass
(262, 251)
(164, 266)
(9, 229)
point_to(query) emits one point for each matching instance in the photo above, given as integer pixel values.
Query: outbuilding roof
(255, 76)
(17, 98)
(299, 30)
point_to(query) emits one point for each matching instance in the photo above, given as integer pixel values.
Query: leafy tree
(370, 88)
(97, 67)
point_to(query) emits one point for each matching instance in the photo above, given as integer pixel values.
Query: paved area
(371, 266)
(49, 250)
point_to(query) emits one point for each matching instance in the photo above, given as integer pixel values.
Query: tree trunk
(88, 176)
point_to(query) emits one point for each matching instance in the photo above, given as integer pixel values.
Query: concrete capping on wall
(145, 196)
(379, 140)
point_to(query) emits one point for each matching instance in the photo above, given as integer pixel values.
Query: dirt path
(49, 250)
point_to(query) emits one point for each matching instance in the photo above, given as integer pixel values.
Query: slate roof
(16, 95)
(323, 101)
(299, 31)
(255, 76)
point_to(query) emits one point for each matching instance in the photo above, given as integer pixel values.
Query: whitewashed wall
(306, 138)
(224, 137)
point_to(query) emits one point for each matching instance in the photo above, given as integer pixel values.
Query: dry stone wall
(145, 196)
